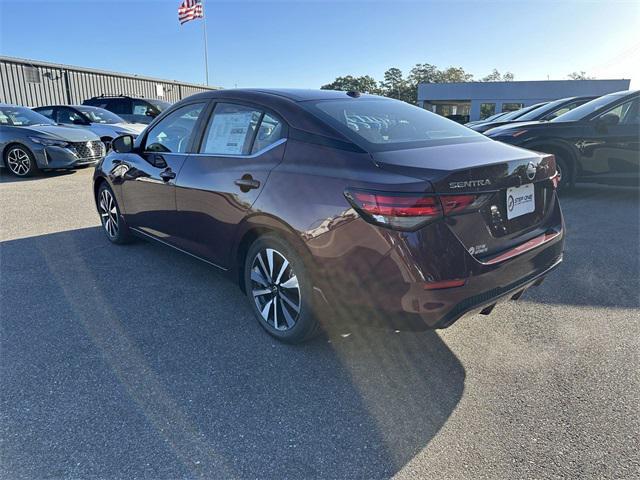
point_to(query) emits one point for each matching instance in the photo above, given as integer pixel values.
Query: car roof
(621, 93)
(287, 103)
(292, 94)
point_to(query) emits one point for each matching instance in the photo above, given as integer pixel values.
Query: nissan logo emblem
(531, 171)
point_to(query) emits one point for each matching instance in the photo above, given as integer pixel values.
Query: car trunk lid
(513, 187)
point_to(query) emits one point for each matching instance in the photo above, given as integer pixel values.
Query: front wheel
(279, 290)
(20, 161)
(112, 222)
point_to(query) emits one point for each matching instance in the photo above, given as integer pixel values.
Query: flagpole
(206, 56)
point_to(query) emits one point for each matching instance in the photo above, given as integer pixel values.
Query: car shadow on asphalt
(6, 177)
(138, 361)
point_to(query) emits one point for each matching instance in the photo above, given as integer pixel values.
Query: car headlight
(49, 142)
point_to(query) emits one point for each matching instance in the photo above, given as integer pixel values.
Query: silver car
(105, 124)
(30, 142)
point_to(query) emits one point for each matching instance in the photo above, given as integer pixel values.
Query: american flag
(190, 10)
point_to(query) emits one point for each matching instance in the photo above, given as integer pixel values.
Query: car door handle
(167, 175)
(247, 183)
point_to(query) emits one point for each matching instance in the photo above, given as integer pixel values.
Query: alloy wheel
(18, 161)
(109, 213)
(275, 289)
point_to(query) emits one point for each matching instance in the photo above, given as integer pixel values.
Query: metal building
(33, 83)
(482, 99)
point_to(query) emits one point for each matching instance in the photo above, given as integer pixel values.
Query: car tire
(20, 161)
(113, 224)
(280, 290)
(563, 168)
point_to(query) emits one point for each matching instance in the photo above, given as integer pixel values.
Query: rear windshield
(390, 124)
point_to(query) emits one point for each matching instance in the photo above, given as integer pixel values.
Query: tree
(364, 84)
(395, 86)
(453, 75)
(495, 76)
(423, 73)
(579, 76)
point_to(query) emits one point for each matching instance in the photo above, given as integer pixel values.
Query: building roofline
(525, 81)
(39, 63)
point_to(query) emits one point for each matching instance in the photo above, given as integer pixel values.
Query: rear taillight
(396, 210)
(408, 211)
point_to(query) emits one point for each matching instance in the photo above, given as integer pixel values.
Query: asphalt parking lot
(140, 362)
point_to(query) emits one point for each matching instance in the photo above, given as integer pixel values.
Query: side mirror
(122, 144)
(151, 113)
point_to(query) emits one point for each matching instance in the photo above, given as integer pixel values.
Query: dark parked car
(545, 113)
(595, 142)
(327, 204)
(30, 142)
(511, 116)
(132, 109)
(495, 116)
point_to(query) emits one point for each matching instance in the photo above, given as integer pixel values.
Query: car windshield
(22, 117)
(519, 113)
(587, 108)
(100, 115)
(495, 117)
(389, 124)
(542, 111)
(159, 104)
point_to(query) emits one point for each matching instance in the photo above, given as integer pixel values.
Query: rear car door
(611, 151)
(148, 179)
(218, 185)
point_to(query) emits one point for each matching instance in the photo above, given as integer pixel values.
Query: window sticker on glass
(228, 133)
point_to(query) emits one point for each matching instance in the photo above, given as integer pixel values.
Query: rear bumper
(390, 278)
(485, 285)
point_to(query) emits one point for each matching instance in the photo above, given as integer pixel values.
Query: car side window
(270, 131)
(230, 130)
(117, 105)
(173, 132)
(68, 116)
(632, 115)
(626, 113)
(140, 107)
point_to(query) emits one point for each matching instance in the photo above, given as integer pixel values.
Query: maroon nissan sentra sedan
(327, 204)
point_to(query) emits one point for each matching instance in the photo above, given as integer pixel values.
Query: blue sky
(309, 43)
